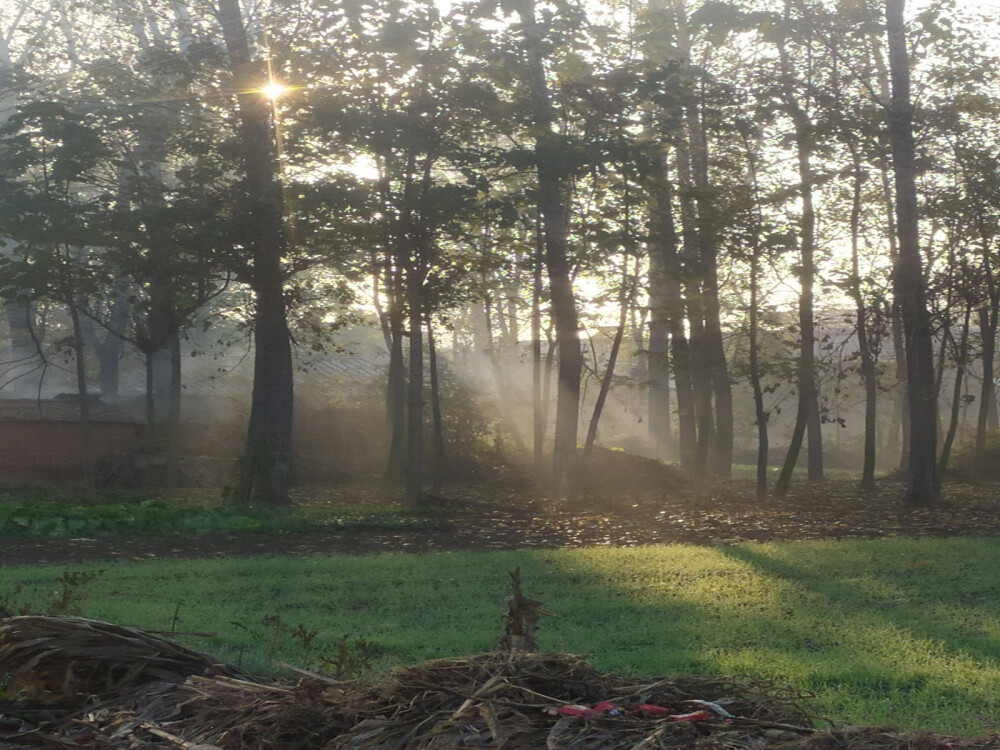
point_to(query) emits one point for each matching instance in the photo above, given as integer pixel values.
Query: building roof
(59, 410)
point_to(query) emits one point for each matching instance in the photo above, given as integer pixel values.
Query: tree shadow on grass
(938, 600)
(866, 645)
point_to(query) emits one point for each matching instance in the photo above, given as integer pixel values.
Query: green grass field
(894, 631)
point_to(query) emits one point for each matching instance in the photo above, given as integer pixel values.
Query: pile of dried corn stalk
(76, 683)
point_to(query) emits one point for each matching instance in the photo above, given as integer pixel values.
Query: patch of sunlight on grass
(899, 618)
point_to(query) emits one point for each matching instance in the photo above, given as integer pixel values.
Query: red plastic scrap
(574, 711)
(694, 716)
(604, 707)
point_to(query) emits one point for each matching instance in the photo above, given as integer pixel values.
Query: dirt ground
(497, 516)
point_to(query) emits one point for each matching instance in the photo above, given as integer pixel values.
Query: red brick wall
(52, 450)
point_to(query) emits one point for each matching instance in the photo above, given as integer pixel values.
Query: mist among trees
(752, 232)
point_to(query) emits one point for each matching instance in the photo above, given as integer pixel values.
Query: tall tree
(669, 347)
(807, 418)
(550, 161)
(909, 281)
(265, 470)
(699, 222)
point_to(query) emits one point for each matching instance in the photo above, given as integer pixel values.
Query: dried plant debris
(59, 659)
(147, 693)
(521, 621)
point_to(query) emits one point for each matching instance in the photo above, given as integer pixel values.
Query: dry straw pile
(76, 683)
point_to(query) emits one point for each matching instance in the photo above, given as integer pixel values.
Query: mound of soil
(614, 472)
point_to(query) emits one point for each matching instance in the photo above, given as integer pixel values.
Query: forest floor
(659, 507)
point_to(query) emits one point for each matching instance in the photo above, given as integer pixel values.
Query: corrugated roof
(351, 366)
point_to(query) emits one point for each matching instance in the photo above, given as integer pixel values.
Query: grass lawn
(892, 631)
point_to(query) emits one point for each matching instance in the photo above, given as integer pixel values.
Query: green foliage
(156, 517)
(66, 599)
(464, 424)
(963, 459)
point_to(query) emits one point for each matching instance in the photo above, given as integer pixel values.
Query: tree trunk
(960, 349)
(987, 391)
(266, 466)
(807, 418)
(720, 457)
(868, 374)
(415, 390)
(395, 400)
(696, 351)
(161, 345)
(156, 345)
(760, 413)
(552, 184)
(696, 360)
(987, 314)
(898, 439)
(567, 341)
(494, 348)
(539, 405)
(24, 355)
(909, 285)
(715, 438)
(899, 429)
(609, 373)
(395, 392)
(439, 449)
(658, 367)
(109, 348)
(666, 318)
(86, 441)
(808, 387)
(668, 306)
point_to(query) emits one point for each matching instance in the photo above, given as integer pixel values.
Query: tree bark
(807, 418)
(395, 393)
(436, 420)
(899, 432)
(86, 429)
(960, 349)
(868, 374)
(909, 284)
(696, 360)
(712, 390)
(760, 413)
(987, 391)
(415, 389)
(555, 216)
(988, 312)
(609, 373)
(900, 427)
(538, 404)
(109, 347)
(667, 325)
(266, 466)
(658, 368)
